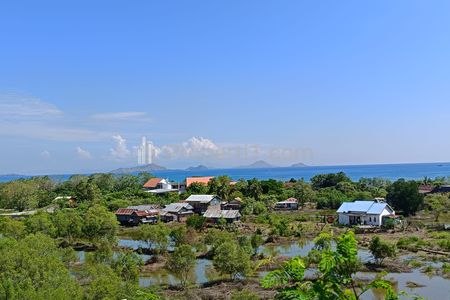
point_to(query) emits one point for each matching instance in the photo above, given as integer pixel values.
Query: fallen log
(433, 251)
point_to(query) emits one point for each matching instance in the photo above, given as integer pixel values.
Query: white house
(364, 212)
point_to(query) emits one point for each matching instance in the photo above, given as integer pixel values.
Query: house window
(370, 219)
(374, 219)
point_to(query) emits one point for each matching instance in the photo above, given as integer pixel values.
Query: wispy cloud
(54, 131)
(120, 151)
(45, 154)
(122, 116)
(83, 154)
(17, 105)
(26, 116)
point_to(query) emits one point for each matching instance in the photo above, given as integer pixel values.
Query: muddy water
(302, 249)
(434, 287)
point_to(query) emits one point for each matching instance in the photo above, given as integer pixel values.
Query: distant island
(139, 169)
(298, 165)
(198, 168)
(260, 164)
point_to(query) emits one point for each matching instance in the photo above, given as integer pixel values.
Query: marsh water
(431, 287)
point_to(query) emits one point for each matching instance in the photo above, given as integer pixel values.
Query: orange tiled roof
(152, 182)
(203, 180)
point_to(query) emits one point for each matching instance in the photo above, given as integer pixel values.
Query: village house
(234, 204)
(135, 215)
(213, 214)
(288, 204)
(364, 212)
(160, 186)
(176, 212)
(443, 189)
(200, 203)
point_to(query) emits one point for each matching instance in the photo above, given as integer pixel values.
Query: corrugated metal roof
(216, 213)
(176, 207)
(377, 208)
(200, 198)
(124, 211)
(368, 207)
(144, 207)
(288, 201)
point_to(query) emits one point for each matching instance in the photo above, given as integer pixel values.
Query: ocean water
(355, 172)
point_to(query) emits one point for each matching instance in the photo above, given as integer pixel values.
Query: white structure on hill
(145, 152)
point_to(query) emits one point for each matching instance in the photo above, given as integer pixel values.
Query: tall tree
(181, 262)
(230, 258)
(438, 204)
(99, 223)
(404, 195)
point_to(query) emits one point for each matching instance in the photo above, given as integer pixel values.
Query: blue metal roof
(368, 207)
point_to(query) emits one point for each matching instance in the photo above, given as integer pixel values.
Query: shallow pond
(435, 287)
(302, 249)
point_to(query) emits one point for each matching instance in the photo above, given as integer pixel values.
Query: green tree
(335, 275)
(156, 237)
(272, 186)
(86, 191)
(196, 222)
(328, 180)
(179, 235)
(197, 188)
(32, 268)
(181, 262)
(254, 189)
(330, 198)
(438, 204)
(99, 223)
(381, 250)
(40, 222)
(102, 283)
(231, 259)
(303, 192)
(256, 241)
(19, 194)
(68, 224)
(105, 182)
(12, 228)
(126, 265)
(404, 195)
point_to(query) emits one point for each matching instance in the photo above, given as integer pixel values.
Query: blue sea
(355, 172)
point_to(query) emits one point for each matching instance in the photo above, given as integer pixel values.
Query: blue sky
(222, 83)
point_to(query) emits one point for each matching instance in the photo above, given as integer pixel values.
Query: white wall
(343, 219)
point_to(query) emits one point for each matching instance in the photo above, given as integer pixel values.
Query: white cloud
(120, 151)
(200, 146)
(45, 154)
(195, 147)
(18, 106)
(121, 116)
(83, 154)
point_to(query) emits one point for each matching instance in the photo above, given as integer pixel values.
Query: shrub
(381, 250)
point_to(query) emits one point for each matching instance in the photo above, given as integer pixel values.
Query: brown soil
(219, 290)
